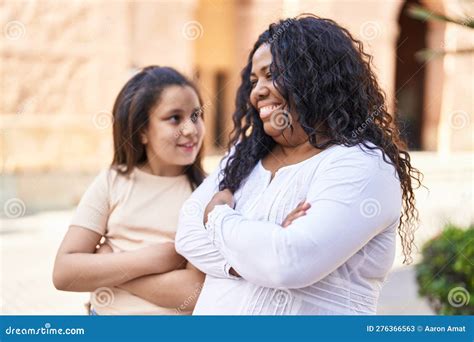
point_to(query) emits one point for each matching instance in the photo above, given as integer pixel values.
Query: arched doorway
(410, 77)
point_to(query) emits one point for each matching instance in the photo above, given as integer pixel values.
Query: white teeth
(267, 109)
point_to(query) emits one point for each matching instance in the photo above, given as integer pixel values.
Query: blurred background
(63, 63)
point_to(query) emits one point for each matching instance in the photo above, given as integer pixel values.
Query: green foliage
(425, 14)
(446, 272)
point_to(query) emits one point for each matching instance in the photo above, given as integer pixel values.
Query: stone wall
(63, 62)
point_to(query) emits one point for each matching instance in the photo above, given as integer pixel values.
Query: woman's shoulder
(367, 157)
(366, 151)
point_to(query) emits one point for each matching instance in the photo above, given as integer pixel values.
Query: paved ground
(400, 295)
(28, 248)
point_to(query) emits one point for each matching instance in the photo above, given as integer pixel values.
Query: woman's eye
(253, 83)
(269, 76)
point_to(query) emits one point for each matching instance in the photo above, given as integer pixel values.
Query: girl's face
(175, 131)
(270, 103)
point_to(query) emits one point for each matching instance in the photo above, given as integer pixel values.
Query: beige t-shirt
(131, 212)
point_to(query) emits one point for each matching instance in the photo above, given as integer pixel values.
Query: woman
(311, 124)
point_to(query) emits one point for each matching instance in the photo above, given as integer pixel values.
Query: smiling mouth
(266, 111)
(188, 145)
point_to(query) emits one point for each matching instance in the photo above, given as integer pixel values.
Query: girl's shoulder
(113, 176)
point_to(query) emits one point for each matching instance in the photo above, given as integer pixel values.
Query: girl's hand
(299, 211)
(156, 253)
(222, 197)
(104, 249)
(162, 255)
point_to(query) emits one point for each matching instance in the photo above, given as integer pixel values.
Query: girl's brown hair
(131, 117)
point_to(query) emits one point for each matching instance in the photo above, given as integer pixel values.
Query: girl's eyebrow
(174, 110)
(181, 111)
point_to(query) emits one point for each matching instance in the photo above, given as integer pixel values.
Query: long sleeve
(352, 198)
(192, 241)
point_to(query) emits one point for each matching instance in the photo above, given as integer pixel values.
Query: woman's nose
(261, 90)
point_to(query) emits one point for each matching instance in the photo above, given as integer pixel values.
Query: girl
(158, 133)
(311, 124)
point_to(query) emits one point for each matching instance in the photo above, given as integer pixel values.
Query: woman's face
(175, 131)
(270, 103)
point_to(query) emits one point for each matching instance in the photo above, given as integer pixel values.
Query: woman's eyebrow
(262, 69)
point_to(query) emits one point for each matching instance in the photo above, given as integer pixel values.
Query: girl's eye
(253, 83)
(174, 118)
(269, 75)
(196, 115)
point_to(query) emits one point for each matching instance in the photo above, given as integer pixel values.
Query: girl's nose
(188, 128)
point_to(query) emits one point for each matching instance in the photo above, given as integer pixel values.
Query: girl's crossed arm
(78, 268)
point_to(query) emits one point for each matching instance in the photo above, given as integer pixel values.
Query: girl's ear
(143, 138)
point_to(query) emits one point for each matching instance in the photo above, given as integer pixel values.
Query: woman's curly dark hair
(323, 74)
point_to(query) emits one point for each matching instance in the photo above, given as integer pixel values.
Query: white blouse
(331, 261)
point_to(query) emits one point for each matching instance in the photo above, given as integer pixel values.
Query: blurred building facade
(63, 63)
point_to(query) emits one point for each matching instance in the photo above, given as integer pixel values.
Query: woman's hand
(222, 197)
(299, 211)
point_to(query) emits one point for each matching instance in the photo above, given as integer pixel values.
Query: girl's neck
(158, 170)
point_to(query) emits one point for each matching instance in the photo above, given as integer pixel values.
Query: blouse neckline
(298, 164)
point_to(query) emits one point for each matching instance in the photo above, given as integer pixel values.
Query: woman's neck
(297, 151)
